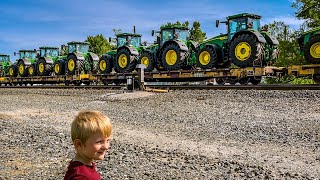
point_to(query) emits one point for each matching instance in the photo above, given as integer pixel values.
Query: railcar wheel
(244, 81)
(255, 81)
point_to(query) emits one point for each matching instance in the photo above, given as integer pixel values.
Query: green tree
(288, 45)
(98, 44)
(196, 33)
(308, 10)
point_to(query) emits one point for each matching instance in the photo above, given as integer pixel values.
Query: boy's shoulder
(78, 170)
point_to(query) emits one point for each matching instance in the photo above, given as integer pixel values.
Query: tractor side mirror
(109, 39)
(217, 23)
(152, 33)
(34, 50)
(14, 53)
(144, 43)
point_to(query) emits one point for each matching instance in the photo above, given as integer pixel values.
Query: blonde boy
(90, 133)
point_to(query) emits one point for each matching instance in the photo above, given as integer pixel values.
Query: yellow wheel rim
(41, 67)
(243, 51)
(123, 61)
(56, 68)
(204, 58)
(145, 61)
(103, 65)
(71, 65)
(11, 71)
(21, 69)
(315, 50)
(171, 57)
(31, 70)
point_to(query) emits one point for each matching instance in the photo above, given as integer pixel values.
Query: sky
(30, 24)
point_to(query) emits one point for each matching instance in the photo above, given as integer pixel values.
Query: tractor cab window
(236, 25)
(255, 23)
(166, 35)
(30, 55)
(121, 41)
(21, 55)
(182, 34)
(135, 41)
(4, 58)
(83, 48)
(52, 52)
(42, 52)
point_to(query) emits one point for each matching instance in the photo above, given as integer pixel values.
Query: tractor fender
(255, 33)
(181, 44)
(26, 61)
(271, 39)
(78, 55)
(94, 57)
(132, 50)
(194, 46)
(48, 60)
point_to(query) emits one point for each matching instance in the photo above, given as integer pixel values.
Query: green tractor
(309, 43)
(173, 49)
(78, 61)
(25, 65)
(5, 64)
(245, 45)
(47, 57)
(125, 58)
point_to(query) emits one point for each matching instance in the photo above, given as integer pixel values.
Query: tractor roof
(23, 50)
(164, 27)
(48, 47)
(78, 42)
(4, 55)
(128, 34)
(243, 15)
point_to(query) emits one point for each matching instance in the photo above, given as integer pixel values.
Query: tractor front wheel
(22, 69)
(105, 65)
(312, 50)
(207, 58)
(32, 70)
(147, 59)
(244, 50)
(59, 67)
(41, 69)
(172, 57)
(13, 71)
(124, 61)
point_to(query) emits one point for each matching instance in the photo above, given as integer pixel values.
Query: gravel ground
(177, 135)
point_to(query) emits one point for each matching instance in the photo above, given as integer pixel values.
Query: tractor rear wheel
(244, 50)
(22, 69)
(207, 58)
(105, 65)
(59, 67)
(147, 59)
(42, 68)
(72, 62)
(32, 70)
(172, 57)
(312, 50)
(13, 71)
(125, 62)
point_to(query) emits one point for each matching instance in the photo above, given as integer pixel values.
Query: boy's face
(95, 147)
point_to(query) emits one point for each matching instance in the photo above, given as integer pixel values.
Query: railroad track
(179, 87)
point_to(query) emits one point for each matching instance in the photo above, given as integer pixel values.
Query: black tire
(22, 71)
(59, 67)
(124, 62)
(207, 58)
(42, 67)
(220, 81)
(177, 59)
(71, 65)
(105, 65)
(245, 57)
(312, 46)
(32, 70)
(147, 59)
(13, 70)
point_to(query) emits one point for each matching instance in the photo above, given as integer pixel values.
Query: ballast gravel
(189, 134)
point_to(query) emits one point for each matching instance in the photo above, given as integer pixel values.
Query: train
(244, 54)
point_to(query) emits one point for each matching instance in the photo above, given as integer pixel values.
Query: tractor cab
(49, 51)
(130, 39)
(173, 32)
(80, 47)
(241, 22)
(27, 54)
(4, 59)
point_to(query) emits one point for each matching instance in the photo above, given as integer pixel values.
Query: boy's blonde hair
(87, 123)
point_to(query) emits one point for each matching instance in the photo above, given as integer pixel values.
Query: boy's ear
(77, 143)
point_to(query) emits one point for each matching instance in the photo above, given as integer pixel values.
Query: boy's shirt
(78, 170)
